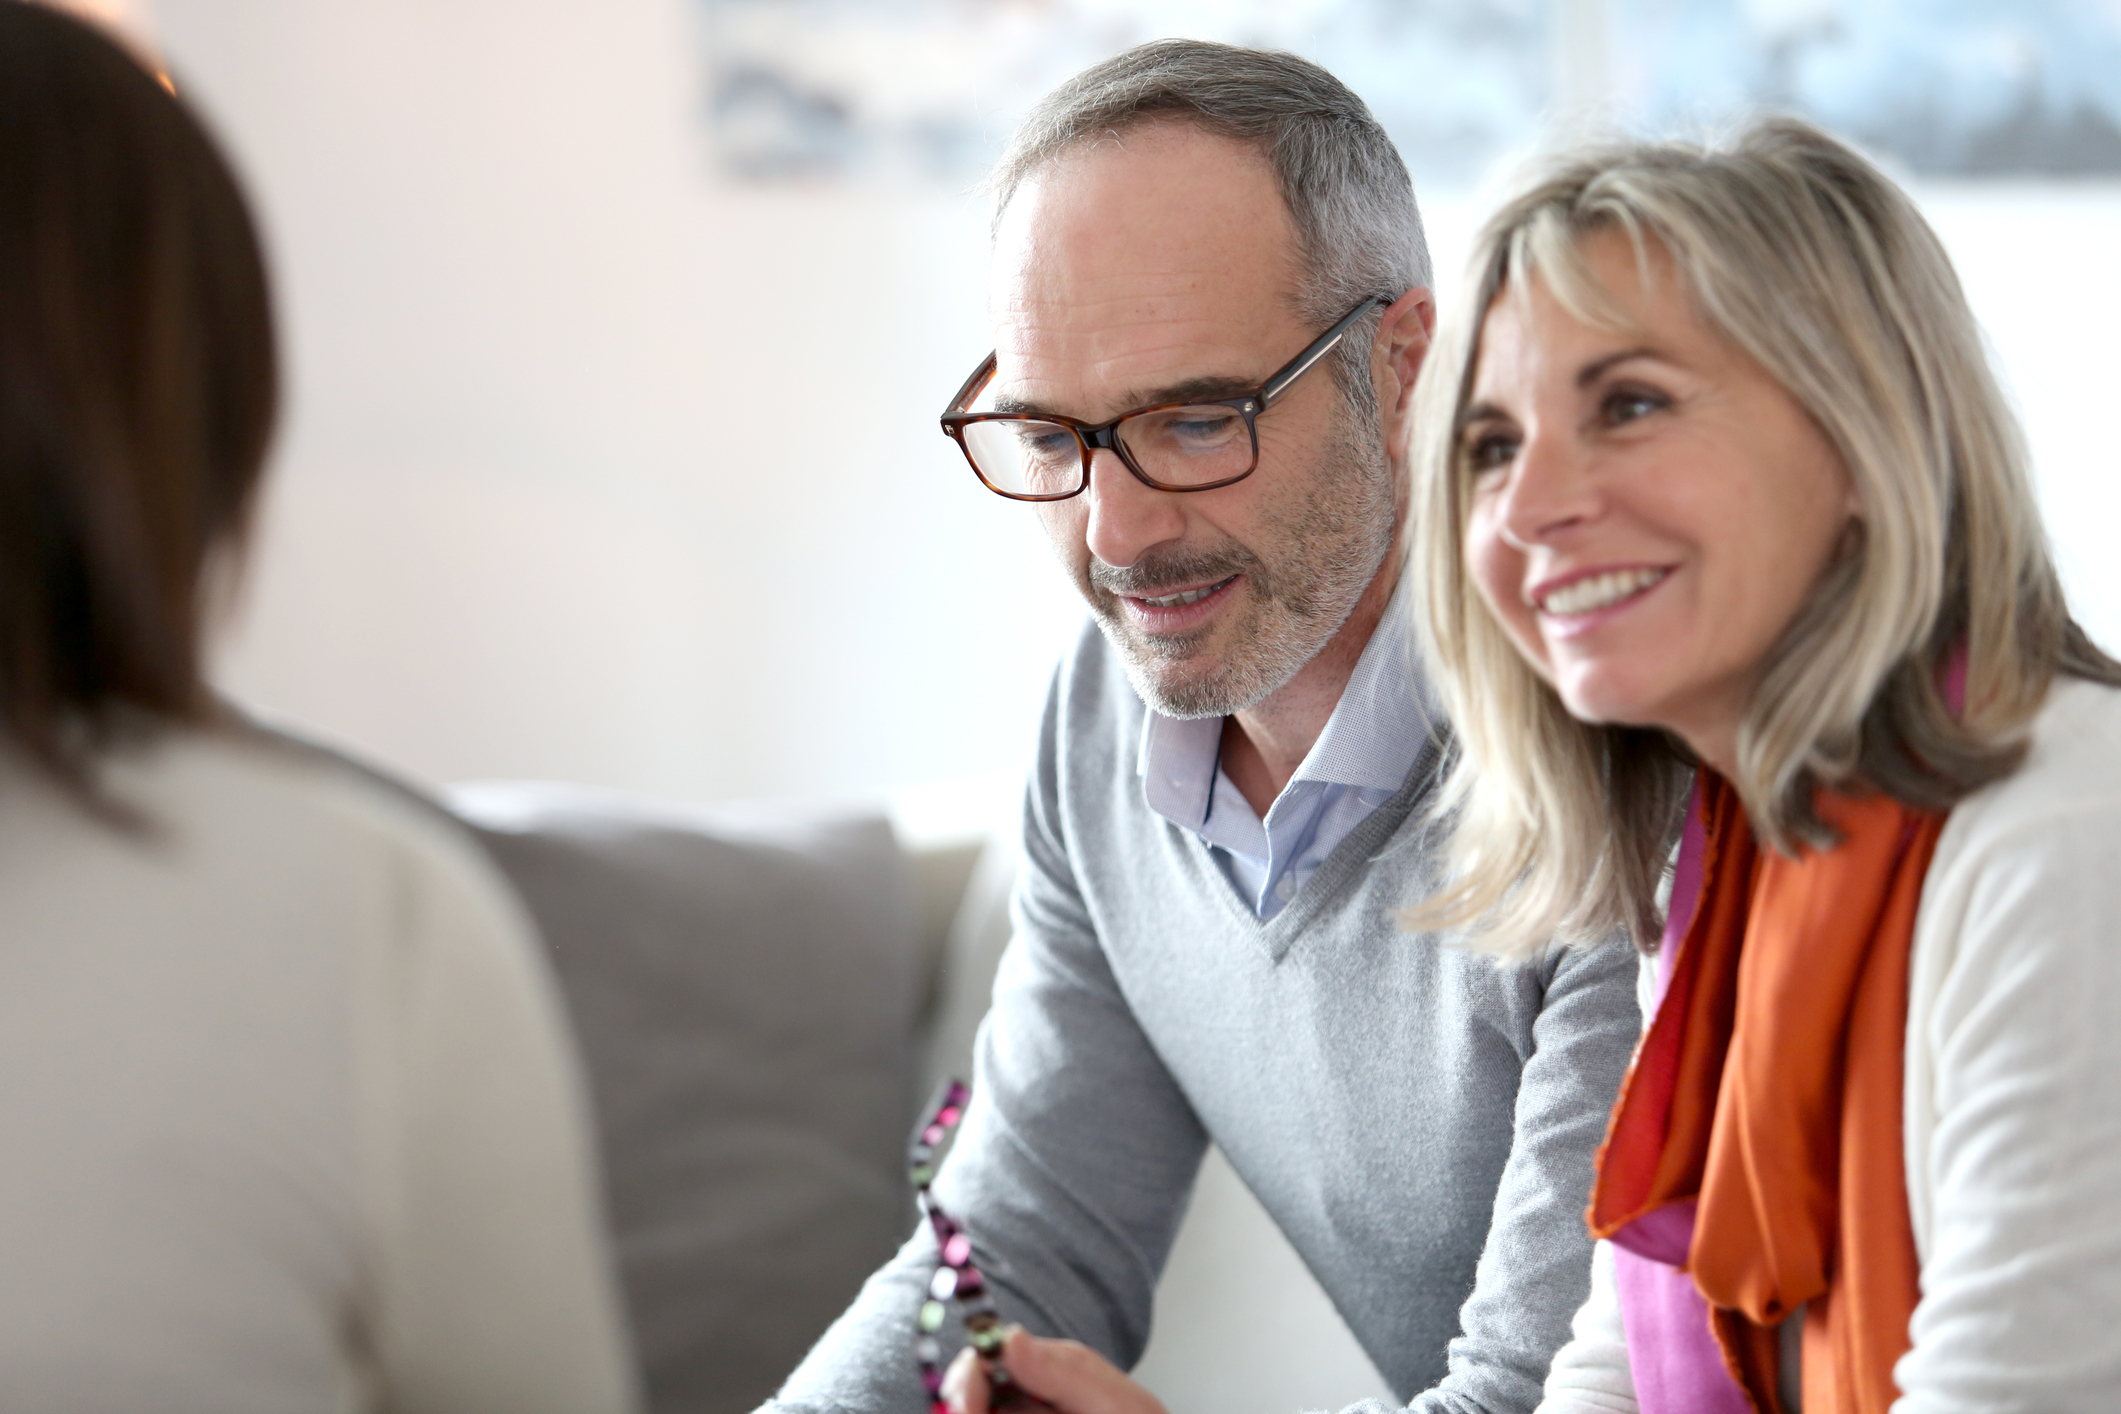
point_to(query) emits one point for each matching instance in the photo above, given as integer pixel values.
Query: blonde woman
(1712, 474)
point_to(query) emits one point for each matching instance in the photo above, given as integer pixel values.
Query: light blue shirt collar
(1370, 743)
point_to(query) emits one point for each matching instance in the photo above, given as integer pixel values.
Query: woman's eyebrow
(1598, 367)
(1479, 414)
(1590, 373)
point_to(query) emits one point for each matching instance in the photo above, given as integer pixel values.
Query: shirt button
(1285, 887)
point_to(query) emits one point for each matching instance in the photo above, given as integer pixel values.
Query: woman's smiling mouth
(1589, 593)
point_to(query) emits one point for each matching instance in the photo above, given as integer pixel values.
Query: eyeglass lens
(1181, 446)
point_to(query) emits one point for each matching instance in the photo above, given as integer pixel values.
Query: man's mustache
(1153, 576)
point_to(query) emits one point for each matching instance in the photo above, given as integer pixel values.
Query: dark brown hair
(138, 386)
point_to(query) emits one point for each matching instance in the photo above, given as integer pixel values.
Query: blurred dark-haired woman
(288, 1119)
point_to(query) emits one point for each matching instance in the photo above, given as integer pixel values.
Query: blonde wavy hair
(1803, 255)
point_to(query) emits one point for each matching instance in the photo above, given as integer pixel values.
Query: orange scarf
(1768, 1089)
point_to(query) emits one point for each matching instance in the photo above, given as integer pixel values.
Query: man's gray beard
(1329, 553)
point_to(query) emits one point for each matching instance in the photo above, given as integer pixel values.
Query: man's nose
(1550, 489)
(1127, 518)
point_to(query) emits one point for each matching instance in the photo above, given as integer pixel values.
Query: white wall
(2040, 265)
(595, 468)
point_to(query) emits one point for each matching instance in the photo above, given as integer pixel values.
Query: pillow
(746, 988)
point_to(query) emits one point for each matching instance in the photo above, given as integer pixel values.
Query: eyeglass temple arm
(1320, 347)
(978, 380)
(1275, 386)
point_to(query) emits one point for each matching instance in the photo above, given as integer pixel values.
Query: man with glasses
(1210, 304)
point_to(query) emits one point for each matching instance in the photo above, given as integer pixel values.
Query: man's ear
(1403, 336)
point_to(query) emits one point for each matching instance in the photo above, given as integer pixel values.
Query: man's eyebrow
(1193, 390)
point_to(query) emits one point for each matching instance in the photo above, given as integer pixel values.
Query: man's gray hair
(1347, 191)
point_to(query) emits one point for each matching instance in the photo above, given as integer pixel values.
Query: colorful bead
(956, 1278)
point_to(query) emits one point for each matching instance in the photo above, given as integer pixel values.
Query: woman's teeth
(1190, 596)
(1599, 590)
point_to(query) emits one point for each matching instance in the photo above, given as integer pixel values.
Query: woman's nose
(1550, 490)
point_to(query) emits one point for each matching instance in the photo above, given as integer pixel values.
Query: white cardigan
(2013, 1099)
(289, 1123)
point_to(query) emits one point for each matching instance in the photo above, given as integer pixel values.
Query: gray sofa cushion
(746, 989)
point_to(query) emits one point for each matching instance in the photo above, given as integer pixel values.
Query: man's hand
(1059, 1374)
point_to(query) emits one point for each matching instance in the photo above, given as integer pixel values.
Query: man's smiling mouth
(1184, 596)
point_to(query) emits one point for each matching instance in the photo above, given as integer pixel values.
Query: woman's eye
(1489, 451)
(1624, 405)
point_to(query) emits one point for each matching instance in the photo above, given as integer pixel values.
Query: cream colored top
(288, 1117)
(2012, 1123)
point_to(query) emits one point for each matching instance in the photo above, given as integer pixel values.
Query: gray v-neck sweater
(1419, 1120)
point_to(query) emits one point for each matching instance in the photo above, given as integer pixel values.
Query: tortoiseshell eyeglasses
(1191, 445)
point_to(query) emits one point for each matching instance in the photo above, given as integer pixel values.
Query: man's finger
(1073, 1377)
(965, 1384)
